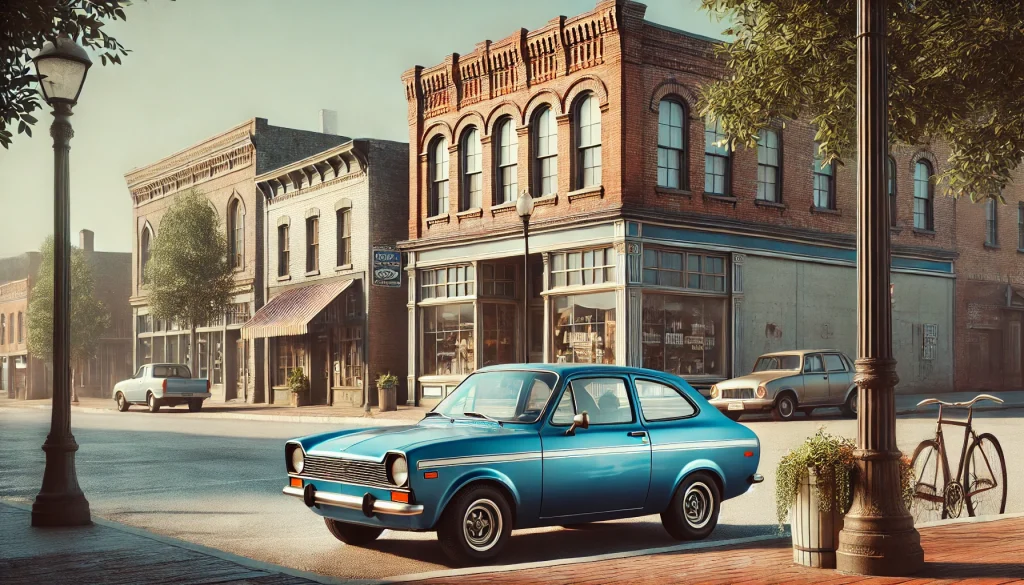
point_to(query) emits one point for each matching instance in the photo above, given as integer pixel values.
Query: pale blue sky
(201, 66)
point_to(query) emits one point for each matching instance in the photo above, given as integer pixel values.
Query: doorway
(319, 374)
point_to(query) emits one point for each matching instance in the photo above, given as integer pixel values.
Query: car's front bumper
(742, 405)
(368, 504)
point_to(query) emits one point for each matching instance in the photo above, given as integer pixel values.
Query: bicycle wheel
(985, 477)
(930, 488)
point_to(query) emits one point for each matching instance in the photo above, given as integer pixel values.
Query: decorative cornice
(14, 290)
(199, 172)
(227, 141)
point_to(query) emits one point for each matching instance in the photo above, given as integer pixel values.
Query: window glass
(448, 347)
(508, 156)
(670, 144)
(834, 363)
(472, 165)
(768, 166)
(506, 396)
(605, 400)
(546, 137)
(500, 333)
(681, 334)
(812, 364)
(777, 362)
(716, 158)
(661, 402)
(566, 410)
(824, 186)
(439, 176)
(587, 267)
(665, 268)
(923, 196)
(588, 133)
(584, 328)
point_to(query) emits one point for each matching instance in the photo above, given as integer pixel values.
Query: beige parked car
(788, 382)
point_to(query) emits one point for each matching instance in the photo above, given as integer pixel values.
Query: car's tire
(475, 525)
(122, 404)
(732, 414)
(693, 512)
(849, 408)
(353, 534)
(195, 405)
(153, 403)
(785, 407)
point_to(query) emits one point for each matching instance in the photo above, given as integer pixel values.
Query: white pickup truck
(157, 385)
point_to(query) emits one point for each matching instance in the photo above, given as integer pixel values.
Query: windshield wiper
(483, 416)
(442, 415)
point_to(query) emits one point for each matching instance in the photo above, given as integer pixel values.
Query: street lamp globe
(61, 68)
(524, 205)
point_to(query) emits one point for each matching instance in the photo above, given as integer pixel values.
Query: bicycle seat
(977, 398)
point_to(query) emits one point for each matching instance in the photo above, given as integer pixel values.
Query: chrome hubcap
(786, 408)
(482, 525)
(697, 505)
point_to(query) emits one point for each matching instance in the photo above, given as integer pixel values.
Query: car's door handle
(637, 433)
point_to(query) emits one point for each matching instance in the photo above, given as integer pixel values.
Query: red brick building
(651, 244)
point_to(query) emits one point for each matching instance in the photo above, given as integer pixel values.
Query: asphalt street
(218, 483)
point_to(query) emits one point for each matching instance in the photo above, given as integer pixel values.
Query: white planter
(815, 533)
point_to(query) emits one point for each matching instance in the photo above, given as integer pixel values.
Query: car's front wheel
(785, 408)
(475, 525)
(849, 408)
(353, 534)
(693, 512)
(122, 404)
(153, 403)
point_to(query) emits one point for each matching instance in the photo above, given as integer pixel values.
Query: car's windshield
(513, 396)
(171, 372)
(777, 362)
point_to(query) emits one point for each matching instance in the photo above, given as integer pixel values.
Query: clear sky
(198, 67)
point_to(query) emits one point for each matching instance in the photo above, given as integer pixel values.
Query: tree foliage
(188, 273)
(955, 72)
(89, 318)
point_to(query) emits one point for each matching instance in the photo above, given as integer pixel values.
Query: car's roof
(801, 352)
(565, 369)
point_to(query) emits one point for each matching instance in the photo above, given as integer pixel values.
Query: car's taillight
(165, 385)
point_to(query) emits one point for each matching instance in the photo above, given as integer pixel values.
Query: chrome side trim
(356, 503)
(597, 451)
(691, 445)
(475, 460)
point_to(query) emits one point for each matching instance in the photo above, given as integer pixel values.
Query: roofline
(251, 123)
(318, 157)
(686, 33)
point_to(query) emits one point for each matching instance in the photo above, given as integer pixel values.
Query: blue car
(522, 446)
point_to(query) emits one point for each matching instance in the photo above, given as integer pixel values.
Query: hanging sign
(387, 268)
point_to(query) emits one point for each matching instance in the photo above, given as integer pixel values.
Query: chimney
(85, 240)
(328, 122)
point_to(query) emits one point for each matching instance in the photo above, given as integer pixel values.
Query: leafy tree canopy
(188, 274)
(956, 72)
(89, 318)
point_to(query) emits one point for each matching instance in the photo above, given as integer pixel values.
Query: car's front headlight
(298, 459)
(399, 470)
(762, 391)
(714, 390)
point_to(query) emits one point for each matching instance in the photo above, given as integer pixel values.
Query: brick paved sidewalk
(966, 552)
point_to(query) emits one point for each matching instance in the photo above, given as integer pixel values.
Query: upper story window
(671, 145)
(472, 167)
(21, 327)
(1020, 226)
(583, 267)
(890, 188)
(499, 280)
(716, 159)
(768, 162)
(452, 281)
(991, 223)
(3, 330)
(545, 132)
(144, 248)
(588, 142)
(283, 251)
(312, 244)
(684, 270)
(923, 201)
(508, 157)
(10, 326)
(344, 217)
(236, 232)
(824, 182)
(438, 161)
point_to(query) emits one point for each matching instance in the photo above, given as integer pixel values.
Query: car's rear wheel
(476, 525)
(693, 512)
(849, 408)
(122, 404)
(785, 407)
(732, 414)
(153, 403)
(353, 534)
(195, 405)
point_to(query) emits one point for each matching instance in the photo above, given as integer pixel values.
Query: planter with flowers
(387, 392)
(298, 383)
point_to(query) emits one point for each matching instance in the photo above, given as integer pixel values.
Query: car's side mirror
(580, 421)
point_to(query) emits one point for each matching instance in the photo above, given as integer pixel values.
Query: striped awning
(290, 312)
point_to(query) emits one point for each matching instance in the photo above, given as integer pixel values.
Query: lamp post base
(60, 502)
(881, 554)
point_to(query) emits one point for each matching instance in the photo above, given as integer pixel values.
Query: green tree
(956, 72)
(89, 318)
(188, 274)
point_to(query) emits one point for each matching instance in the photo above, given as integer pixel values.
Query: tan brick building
(224, 167)
(650, 244)
(16, 380)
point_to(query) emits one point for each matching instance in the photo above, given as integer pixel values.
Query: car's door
(815, 390)
(131, 386)
(839, 377)
(604, 468)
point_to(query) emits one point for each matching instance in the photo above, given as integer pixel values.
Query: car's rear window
(171, 372)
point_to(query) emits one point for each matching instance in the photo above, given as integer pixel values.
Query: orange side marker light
(402, 497)
(748, 453)
(295, 482)
(430, 475)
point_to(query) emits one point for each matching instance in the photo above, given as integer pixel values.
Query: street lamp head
(524, 205)
(61, 68)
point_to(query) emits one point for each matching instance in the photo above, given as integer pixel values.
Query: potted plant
(387, 392)
(298, 383)
(813, 490)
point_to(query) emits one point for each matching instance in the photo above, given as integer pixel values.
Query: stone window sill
(670, 192)
(726, 199)
(1020, 250)
(895, 229)
(989, 246)
(470, 213)
(549, 199)
(770, 204)
(284, 278)
(438, 219)
(343, 267)
(825, 210)
(924, 232)
(313, 273)
(585, 193)
(503, 208)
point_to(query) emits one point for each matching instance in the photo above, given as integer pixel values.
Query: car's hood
(375, 443)
(754, 379)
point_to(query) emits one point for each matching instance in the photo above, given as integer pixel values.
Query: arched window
(716, 159)
(438, 161)
(923, 209)
(890, 187)
(768, 165)
(545, 133)
(236, 233)
(588, 142)
(824, 182)
(671, 144)
(508, 157)
(144, 248)
(472, 170)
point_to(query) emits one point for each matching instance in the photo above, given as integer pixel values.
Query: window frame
(807, 358)
(824, 361)
(639, 399)
(511, 150)
(671, 151)
(145, 250)
(711, 151)
(928, 199)
(312, 244)
(467, 193)
(538, 160)
(343, 219)
(830, 185)
(439, 181)
(991, 223)
(284, 250)
(891, 188)
(776, 194)
(684, 271)
(236, 233)
(1020, 225)
(582, 268)
(567, 386)
(590, 101)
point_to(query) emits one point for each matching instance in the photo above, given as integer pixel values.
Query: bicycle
(977, 484)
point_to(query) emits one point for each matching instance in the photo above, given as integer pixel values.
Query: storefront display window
(202, 347)
(145, 352)
(499, 334)
(679, 269)
(684, 335)
(584, 328)
(291, 353)
(347, 358)
(583, 267)
(453, 281)
(499, 280)
(448, 347)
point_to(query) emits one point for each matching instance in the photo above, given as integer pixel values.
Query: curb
(347, 420)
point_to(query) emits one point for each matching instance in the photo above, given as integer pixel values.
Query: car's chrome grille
(367, 473)
(738, 393)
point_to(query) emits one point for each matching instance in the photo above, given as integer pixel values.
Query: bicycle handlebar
(977, 398)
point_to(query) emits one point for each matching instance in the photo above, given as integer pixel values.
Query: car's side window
(813, 365)
(605, 399)
(139, 373)
(834, 363)
(662, 402)
(565, 410)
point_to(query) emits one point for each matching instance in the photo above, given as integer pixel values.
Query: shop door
(318, 370)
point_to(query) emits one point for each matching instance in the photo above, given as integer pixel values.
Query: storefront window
(684, 335)
(583, 267)
(499, 280)
(217, 358)
(453, 281)
(172, 349)
(584, 328)
(290, 354)
(347, 358)
(684, 270)
(448, 340)
(145, 352)
(203, 346)
(499, 334)
(158, 349)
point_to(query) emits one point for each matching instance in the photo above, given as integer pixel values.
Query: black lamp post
(524, 207)
(62, 68)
